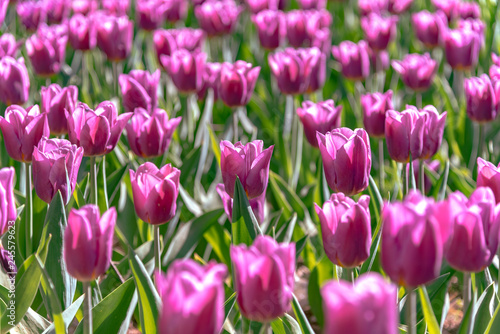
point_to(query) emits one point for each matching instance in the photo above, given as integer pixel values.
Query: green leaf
(322, 272)
(301, 317)
(484, 309)
(68, 315)
(214, 141)
(286, 325)
(220, 241)
(430, 318)
(243, 229)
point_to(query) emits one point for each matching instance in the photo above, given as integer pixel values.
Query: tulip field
(249, 166)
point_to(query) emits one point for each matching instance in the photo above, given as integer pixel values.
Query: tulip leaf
(321, 273)
(301, 317)
(286, 325)
(443, 182)
(149, 300)
(190, 162)
(78, 196)
(429, 316)
(220, 241)
(484, 309)
(68, 315)
(243, 229)
(214, 143)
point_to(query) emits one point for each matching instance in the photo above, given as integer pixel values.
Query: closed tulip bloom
(322, 39)
(296, 27)
(379, 60)
(8, 45)
(82, 32)
(84, 7)
(55, 168)
(462, 48)
(428, 26)
(192, 298)
(257, 204)
(31, 13)
(270, 25)
(248, 162)
(379, 31)
(347, 161)
(176, 10)
(317, 65)
(97, 131)
(4, 4)
(56, 101)
(318, 117)
(166, 41)
(312, 4)
(411, 246)
(139, 89)
(218, 17)
(448, 7)
(469, 10)
(404, 132)
(57, 10)
(186, 69)
(155, 192)
(149, 133)
(345, 229)
(353, 58)
(433, 131)
(211, 79)
(14, 81)
(8, 212)
(88, 242)
(481, 98)
(488, 175)
(368, 305)
(475, 25)
(374, 107)
(237, 83)
(150, 13)
(116, 7)
(399, 6)
(366, 7)
(22, 130)
(114, 36)
(264, 278)
(47, 49)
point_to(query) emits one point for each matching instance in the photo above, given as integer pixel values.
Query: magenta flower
(399, 6)
(322, 39)
(379, 31)
(256, 6)
(31, 13)
(57, 10)
(186, 69)
(114, 36)
(88, 242)
(151, 13)
(139, 89)
(296, 27)
(7, 200)
(47, 49)
(116, 7)
(366, 7)
(347, 159)
(318, 117)
(248, 162)
(433, 131)
(312, 4)
(271, 28)
(488, 175)
(55, 168)
(462, 47)
(8, 46)
(192, 297)
(7, 262)
(176, 10)
(428, 27)
(218, 17)
(264, 278)
(448, 7)
(469, 10)
(257, 204)
(56, 101)
(167, 41)
(379, 60)
(374, 108)
(482, 99)
(84, 7)
(211, 79)
(353, 58)
(237, 83)
(404, 132)
(82, 32)
(155, 192)
(417, 71)
(97, 131)
(14, 81)
(365, 306)
(4, 4)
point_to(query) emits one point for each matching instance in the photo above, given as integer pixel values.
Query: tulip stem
(156, 229)
(467, 293)
(265, 328)
(28, 210)
(93, 181)
(298, 152)
(411, 314)
(476, 148)
(419, 100)
(404, 179)
(87, 308)
(287, 127)
(381, 164)
(115, 78)
(235, 126)
(421, 176)
(85, 75)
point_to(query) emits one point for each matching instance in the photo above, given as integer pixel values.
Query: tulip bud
(47, 49)
(322, 39)
(55, 168)
(264, 278)
(176, 10)
(368, 305)
(317, 67)
(84, 7)
(218, 17)
(82, 32)
(379, 31)
(114, 36)
(31, 13)
(211, 80)
(462, 48)
(186, 69)
(428, 26)
(150, 13)
(8, 46)
(14, 81)
(96, 131)
(318, 117)
(404, 132)
(139, 89)
(345, 229)
(116, 7)
(237, 83)
(7, 199)
(417, 71)
(448, 7)
(296, 27)
(488, 175)
(155, 192)
(374, 108)
(354, 59)
(149, 134)
(56, 101)
(482, 99)
(469, 10)
(167, 41)
(22, 130)
(270, 25)
(347, 159)
(411, 248)
(366, 7)
(312, 4)
(399, 6)
(248, 162)
(433, 131)
(257, 204)
(88, 242)
(57, 10)
(192, 296)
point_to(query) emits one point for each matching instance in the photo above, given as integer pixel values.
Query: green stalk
(289, 110)
(421, 176)
(93, 181)
(381, 163)
(87, 308)
(156, 232)
(235, 125)
(28, 210)
(404, 179)
(411, 312)
(467, 293)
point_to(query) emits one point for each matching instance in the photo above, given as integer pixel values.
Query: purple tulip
(192, 298)
(347, 159)
(55, 102)
(428, 27)
(8, 46)
(312, 4)
(353, 58)
(404, 132)
(482, 99)
(379, 60)
(155, 192)
(7, 262)
(151, 13)
(8, 210)
(186, 69)
(379, 31)
(345, 229)
(176, 10)
(237, 83)
(14, 81)
(55, 168)
(84, 7)
(488, 175)
(167, 41)
(114, 36)
(149, 133)
(475, 25)
(367, 306)
(417, 71)
(317, 66)
(270, 25)
(88, 242)
(116, 7)
(211, 79)
(296, 27)
(31, 13)
(433, 131)
(264, 278)
(468, 10)
(97, 131)
(22, 130)
(448, 7)
(82, 32)
(366, 7)
(47, 49)
(399, 6)
(257, 204)
(248, 162)
(218, 17)
(411, 247)
(374, 108)
(318, 117)
(256, 6)
(57, 10)
(4, 4)
(322, 39)
(139, 89)
(462, 48)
